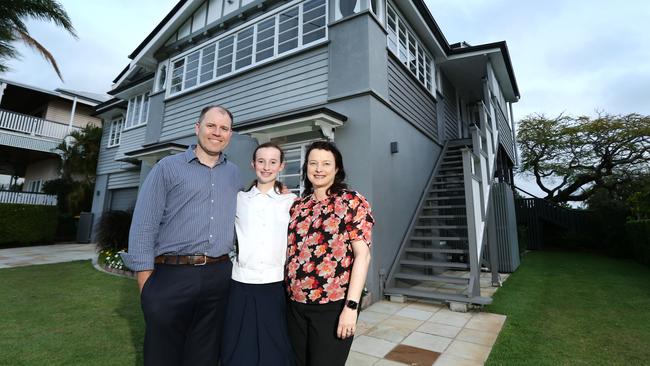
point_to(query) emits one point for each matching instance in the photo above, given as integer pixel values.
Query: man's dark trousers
(184, 308)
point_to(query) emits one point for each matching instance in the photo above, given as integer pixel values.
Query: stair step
(415, 262)
(442, 207)
(447, 190)
(461, 182)
(423, 227)
(439, 296)
(445, 198)
(436, 251)
(441, 216)
(421, 277)
(431, 238)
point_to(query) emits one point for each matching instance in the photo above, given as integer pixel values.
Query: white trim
(326, 123)
(151, 157)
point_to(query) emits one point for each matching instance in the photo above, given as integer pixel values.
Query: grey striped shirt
(184, 207)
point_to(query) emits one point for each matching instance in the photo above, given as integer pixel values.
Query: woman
(328, 258)
(255, 330)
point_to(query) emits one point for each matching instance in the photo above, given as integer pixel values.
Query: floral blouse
(319, 253)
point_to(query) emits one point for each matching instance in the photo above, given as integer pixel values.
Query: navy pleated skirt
(255, 330)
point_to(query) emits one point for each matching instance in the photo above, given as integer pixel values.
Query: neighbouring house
(425, 126)
(33, 122)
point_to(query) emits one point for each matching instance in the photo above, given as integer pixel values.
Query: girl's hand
(347, 323)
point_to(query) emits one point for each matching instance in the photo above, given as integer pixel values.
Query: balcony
(33, 126)
(27, 198)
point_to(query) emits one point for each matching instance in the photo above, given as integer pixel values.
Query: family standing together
(291, 293)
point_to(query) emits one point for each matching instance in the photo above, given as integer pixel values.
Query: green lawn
(68, 314)
(574, 309)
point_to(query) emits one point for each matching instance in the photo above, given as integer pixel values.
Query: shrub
(27, 224)
(638, 232)
(113, 230)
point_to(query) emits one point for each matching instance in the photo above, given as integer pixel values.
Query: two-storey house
(425, 126)
(33, 122)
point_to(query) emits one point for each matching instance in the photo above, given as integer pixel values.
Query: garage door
(123, 199)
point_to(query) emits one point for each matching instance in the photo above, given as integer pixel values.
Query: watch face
(352, 304)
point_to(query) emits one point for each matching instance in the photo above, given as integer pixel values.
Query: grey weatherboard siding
(106, 162)
(411, 99)
(505, 133)
(296, 81)
(27, 142)
(129, 178)
(449, 110)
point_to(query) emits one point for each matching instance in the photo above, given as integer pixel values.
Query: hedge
(27, 224)
(638, 232)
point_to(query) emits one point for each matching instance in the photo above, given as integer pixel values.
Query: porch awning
(151, 153)
(323, 119)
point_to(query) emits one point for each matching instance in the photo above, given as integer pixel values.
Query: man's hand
(143, 276)
(347, 323)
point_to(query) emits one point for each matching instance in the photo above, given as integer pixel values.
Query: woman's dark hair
(338, 184)
(277, 186)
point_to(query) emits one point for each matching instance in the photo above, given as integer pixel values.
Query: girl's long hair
(277, 186)
(338, 186)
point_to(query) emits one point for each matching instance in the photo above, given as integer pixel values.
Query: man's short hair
(223, 110)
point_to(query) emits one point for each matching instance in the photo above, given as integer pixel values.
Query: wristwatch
(352, 304)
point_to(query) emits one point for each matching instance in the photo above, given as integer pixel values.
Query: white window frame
(299, 4)
(115, 132)
(416, 66)
(137, 111)
(302, 145)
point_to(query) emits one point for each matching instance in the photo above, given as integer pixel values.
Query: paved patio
(46, 254)
(388, 333)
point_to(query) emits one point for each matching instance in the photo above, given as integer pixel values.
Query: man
(182, 232)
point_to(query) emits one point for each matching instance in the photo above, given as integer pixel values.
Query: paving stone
(360, 359)
(372, 346)
(413, 356)
(385, 307)
(449, 317)
(478, 337)
(409, 312)
(450, 360)
(394, 329)
(439, 329)
(385, 362)
(368, 318)
(427, 341)
(487, 322)
(471, 351)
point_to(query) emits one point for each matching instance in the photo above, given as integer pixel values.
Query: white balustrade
(33, 126)
(27, 198)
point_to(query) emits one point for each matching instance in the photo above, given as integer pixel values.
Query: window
(115, 133)
(408, 49)
(137, 111)
(288, 30)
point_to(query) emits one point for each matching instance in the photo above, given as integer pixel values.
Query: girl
(255, 331)
(328, 258)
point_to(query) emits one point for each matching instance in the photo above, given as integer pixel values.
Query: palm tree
(12, 27)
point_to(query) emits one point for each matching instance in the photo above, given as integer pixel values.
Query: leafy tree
(571, 158)
(12, 27)
(79, 164)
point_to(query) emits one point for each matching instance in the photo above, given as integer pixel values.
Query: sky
(573, 57)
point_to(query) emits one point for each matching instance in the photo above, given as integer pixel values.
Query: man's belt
(189, 260)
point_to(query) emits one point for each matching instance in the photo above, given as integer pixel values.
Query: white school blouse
(261, 225)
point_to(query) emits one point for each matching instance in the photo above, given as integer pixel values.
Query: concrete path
(388, 333)
(46, 254)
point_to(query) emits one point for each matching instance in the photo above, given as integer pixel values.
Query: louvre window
(115, 133)
(137, 111)
(408, 48)
(286, 31)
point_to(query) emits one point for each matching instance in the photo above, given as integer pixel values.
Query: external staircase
(442, 253)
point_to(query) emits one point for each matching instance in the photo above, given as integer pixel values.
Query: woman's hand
(347, 323)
